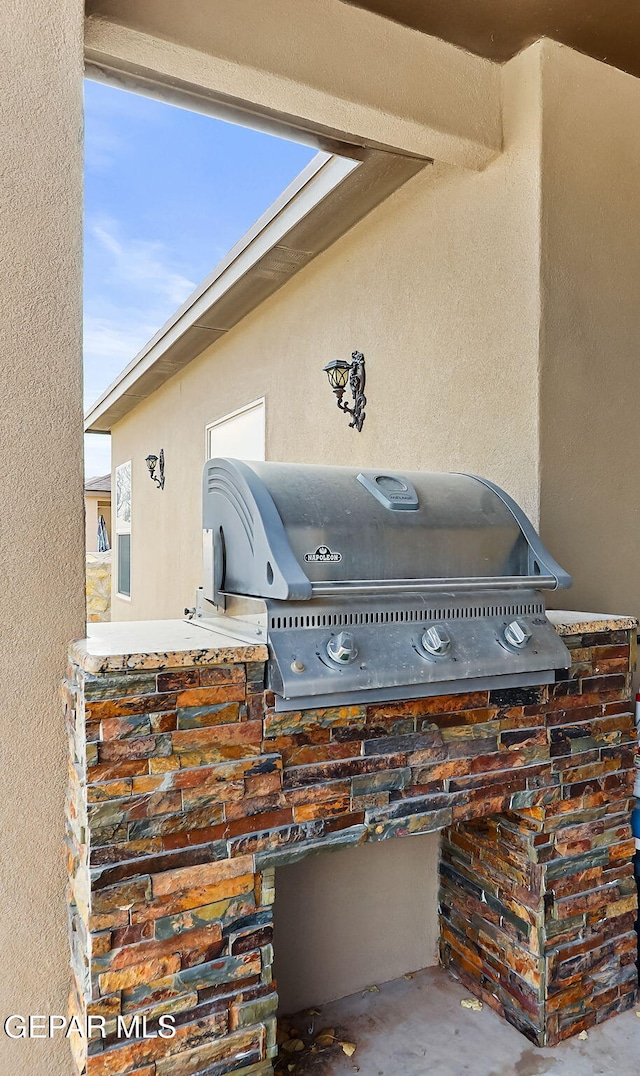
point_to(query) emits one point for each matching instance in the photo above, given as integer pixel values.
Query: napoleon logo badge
(323, 555)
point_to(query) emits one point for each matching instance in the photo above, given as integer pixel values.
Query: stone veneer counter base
(187, 790)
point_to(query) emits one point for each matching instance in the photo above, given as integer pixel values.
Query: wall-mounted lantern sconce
(156, 461)
(339, 372)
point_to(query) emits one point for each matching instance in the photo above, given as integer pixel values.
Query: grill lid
(291, 532)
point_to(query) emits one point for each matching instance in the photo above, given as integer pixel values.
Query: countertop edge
(102, 654)
(96, 664)
(570, 623)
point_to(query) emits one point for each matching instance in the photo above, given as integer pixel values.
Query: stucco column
(41, 514)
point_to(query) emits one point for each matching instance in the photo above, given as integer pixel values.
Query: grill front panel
(390, 655)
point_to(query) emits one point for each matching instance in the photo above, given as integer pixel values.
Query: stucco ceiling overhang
(608, 30)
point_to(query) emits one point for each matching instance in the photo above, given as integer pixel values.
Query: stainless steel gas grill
(376, 585)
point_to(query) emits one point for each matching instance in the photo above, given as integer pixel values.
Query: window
(123, 529)
(240, 435)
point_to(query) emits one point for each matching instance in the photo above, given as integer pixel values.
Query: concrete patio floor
(417, 1027)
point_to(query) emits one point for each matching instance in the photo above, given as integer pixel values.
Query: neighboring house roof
(101, 484)
(330, 195)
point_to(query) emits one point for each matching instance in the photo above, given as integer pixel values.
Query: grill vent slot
(386, 616)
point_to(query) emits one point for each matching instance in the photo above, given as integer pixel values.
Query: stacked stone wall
(187, 790)
(98, 587)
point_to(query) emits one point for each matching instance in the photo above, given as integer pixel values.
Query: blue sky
(167, 193)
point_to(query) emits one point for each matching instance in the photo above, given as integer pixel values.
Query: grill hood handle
(540, 560)
(249, 537)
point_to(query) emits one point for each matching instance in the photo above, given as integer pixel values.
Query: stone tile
(99, 688)
(323, 772)
(193, 717)
(173, 881)
(246, 732)
(178, 680)
(209, 696)
(413, 823)
(368, 784)
(120, 728)
(227, 674)
(133, 706)
(135, 748)
(245, 1044)
(145, 972)
(233, 897)
(288, 724)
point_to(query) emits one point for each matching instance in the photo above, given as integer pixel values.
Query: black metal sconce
(156, 461)
(339, 372)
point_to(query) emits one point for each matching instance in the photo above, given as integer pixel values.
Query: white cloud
(139, 289)
(143, 263)
(110, 343)
(117, 341)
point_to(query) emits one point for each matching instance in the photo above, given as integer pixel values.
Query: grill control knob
(436, 641)
(341, 648)
(517, 634)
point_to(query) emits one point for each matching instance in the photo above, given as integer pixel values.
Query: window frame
(121, 527)
(260, 402)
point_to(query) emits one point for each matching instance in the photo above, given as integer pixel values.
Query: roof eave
(326, 199)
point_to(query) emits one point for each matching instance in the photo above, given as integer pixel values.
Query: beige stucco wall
(349, 919)
(42, 542)
(590, 367)
(437, 287)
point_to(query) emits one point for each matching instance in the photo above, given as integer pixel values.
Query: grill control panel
(390, 653)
